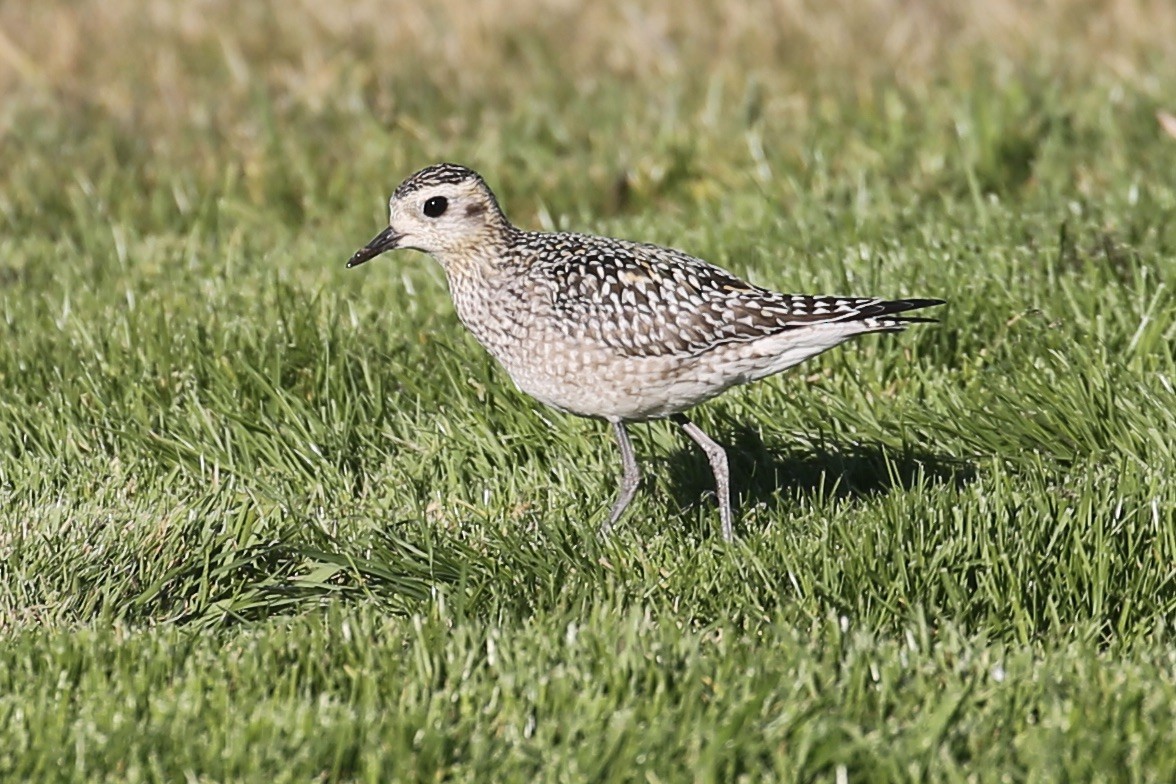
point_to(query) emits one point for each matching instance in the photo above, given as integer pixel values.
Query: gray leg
(718, 463)
(630, 477)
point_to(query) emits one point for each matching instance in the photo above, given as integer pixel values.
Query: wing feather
(646, 300)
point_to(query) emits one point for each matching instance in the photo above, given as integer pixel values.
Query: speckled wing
(646, 300)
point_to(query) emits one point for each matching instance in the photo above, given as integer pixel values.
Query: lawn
(266, 519)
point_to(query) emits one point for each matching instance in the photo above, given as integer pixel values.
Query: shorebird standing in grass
(611, 329)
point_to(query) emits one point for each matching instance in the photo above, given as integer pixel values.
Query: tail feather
(885, 315)
(887, 311)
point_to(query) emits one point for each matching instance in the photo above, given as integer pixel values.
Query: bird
(612, 329)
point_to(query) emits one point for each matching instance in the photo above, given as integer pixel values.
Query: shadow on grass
(767, 476)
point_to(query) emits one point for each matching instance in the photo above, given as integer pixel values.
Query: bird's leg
(718, 463)
(630, 477)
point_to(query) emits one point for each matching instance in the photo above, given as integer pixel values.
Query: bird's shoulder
(588, 267)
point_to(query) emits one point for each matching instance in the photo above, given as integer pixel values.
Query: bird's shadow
(766, 476)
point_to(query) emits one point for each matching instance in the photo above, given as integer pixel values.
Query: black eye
(436, 206)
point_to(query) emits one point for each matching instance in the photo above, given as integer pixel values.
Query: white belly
(600, 383)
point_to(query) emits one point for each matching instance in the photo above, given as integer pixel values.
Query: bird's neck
(481, 259)
(478, 276)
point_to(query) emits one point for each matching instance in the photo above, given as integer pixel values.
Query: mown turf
(265, 519)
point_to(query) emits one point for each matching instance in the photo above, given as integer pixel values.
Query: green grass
(265, 519)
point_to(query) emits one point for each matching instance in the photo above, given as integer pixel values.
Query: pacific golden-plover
(611, 329)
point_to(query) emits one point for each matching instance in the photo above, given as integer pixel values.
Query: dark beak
(383, 242)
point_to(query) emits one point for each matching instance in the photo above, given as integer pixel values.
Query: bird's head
(444, 210)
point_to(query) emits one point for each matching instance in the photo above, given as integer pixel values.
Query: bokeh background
(580, 107)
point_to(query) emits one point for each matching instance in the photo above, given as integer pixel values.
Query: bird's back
(618, 329)
(647, 300)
